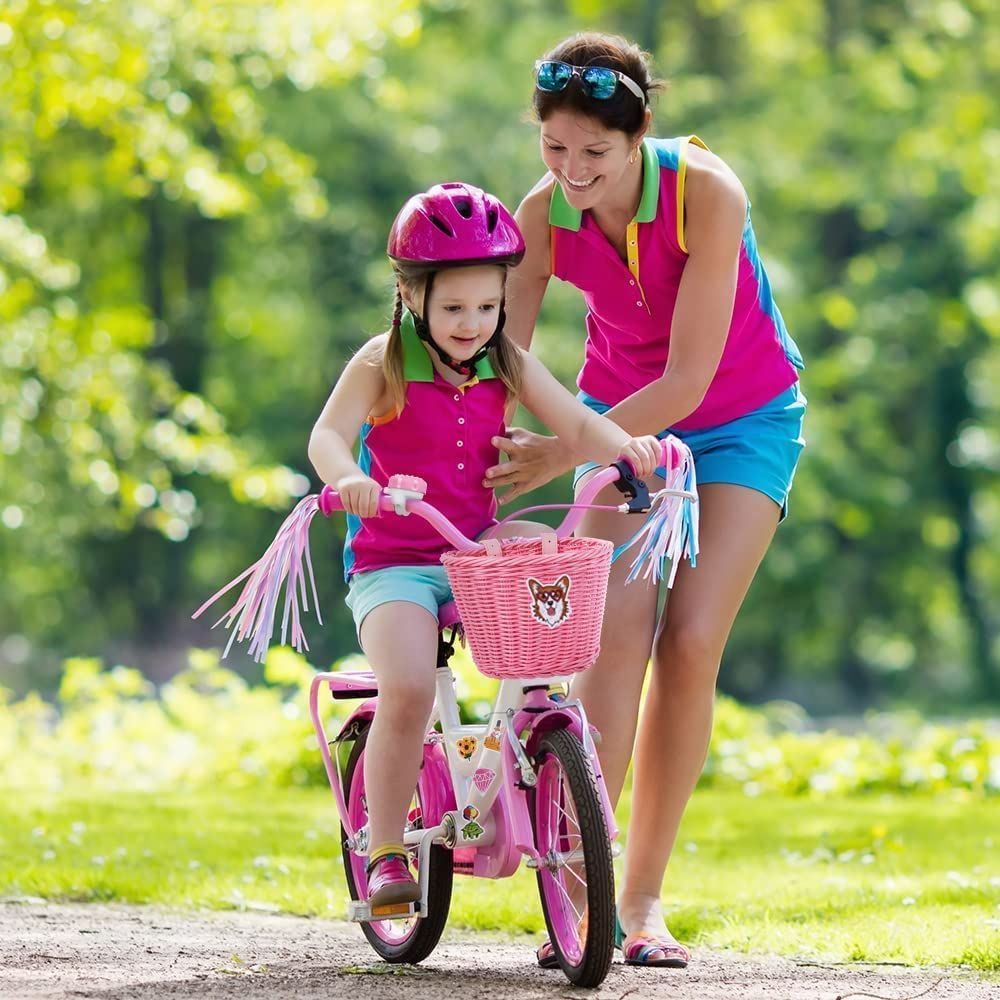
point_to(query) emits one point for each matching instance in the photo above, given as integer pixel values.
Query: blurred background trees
(194, 199)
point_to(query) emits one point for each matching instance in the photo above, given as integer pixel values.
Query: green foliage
(193, 203)
(773, 750)
(134, 136)
(208, 728)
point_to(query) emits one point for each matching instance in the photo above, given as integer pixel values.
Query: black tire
(427, 930)
(592, 968)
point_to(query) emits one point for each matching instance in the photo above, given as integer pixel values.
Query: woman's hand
(534, 460)
(359, 494)
(644, 455)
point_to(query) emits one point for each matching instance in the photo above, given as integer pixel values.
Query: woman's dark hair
(623, 110)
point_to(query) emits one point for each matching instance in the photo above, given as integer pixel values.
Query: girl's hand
(359, 494)
(534, 460)
(644, 455)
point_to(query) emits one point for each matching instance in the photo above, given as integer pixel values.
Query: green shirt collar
(417, 365)
(565, 216)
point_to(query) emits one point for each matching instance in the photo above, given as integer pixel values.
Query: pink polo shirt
(631, 304)
(443, 436)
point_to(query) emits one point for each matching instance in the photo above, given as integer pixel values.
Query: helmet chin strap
(467, 367)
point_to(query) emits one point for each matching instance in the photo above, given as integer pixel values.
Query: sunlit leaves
(108, 108)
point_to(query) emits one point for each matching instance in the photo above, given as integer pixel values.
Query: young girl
(430, 398)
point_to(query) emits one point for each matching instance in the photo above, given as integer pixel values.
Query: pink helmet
(455, 224)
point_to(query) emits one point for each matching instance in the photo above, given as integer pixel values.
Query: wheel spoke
(569, 868)
(566, 807)
(567, 816)
(569, 899)
(564, 859)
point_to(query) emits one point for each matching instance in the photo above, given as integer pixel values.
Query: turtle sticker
(472, 830)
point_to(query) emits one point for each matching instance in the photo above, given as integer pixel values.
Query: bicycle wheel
(576, 880)
(410, 940)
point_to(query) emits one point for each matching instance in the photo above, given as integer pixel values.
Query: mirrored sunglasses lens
(553, 76)
(601, 82)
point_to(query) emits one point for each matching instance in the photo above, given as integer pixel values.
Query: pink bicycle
(526, 782)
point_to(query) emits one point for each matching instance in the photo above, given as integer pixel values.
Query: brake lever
(634, 490)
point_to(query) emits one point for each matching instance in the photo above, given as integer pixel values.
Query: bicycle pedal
(360, 912)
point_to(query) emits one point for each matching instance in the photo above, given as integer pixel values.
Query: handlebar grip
(670, 453)
(404, 496)
(329, 501)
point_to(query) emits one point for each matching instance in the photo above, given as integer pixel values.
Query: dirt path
(123, 952)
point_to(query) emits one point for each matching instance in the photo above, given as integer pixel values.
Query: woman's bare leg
(737, 525)
(611, 688)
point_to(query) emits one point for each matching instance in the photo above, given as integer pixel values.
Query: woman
(682, 335)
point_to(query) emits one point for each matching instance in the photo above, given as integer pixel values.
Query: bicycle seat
(353, 684)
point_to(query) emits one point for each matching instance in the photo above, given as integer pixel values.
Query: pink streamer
(285, 561)
(671, 528)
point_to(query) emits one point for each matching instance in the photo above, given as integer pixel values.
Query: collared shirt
(631, 303)
(443, 435)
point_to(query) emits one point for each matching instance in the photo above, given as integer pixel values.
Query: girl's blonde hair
(503, 356)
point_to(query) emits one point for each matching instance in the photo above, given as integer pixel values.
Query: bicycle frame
(485, 768)
(482, 763)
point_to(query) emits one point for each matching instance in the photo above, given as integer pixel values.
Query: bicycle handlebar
(670, 531)
(404, 496)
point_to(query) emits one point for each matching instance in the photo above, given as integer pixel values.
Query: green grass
(903, 879)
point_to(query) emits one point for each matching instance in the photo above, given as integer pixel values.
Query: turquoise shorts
(424, 585)
(759, 450)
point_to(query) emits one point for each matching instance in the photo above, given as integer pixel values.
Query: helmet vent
(464, 207)
(491, 219)
(442, 225)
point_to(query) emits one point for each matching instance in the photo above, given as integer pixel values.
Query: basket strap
(492, 546)
(494, 550)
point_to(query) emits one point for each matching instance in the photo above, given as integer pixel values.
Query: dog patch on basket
(550, 601)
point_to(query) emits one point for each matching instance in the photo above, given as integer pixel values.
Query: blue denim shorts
(424, 585)
(759, 450)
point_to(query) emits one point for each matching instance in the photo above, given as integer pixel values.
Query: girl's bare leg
(400, 641)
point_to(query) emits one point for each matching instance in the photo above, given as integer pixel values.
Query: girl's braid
(397, 309)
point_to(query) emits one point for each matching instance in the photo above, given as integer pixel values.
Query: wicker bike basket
(532, 607)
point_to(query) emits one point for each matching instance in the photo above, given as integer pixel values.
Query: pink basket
(532, 607)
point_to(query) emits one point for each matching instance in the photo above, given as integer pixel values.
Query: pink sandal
(637, 949)
(546, 954)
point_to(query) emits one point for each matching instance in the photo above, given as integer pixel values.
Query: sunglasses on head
(598, 82)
